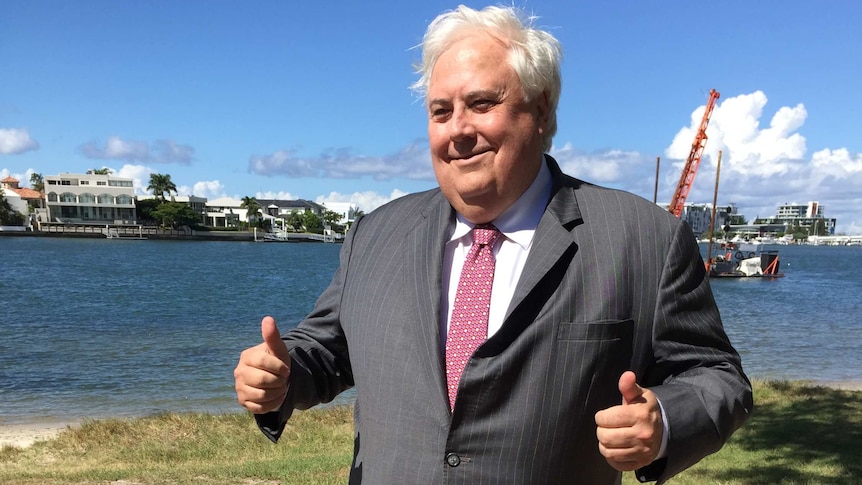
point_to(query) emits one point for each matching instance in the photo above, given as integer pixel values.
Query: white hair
(534, 54)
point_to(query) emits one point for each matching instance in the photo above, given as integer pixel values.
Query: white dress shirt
(517, 225)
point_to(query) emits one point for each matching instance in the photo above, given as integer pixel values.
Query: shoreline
(24, 435)
(94, 231)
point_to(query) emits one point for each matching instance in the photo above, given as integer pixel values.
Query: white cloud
(412, 162)
(598, 167)
(140, 174)
(764, 167)
(14, 141)
(366, 201)
(162, 151)
(837, 163)
(746, 148)
(211, 189)
(117, 149)
(169, 151)
(280, 195)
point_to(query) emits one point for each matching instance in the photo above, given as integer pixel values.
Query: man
(601, 347)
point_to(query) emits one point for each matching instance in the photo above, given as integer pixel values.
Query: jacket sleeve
(695, 372)
(320, 365)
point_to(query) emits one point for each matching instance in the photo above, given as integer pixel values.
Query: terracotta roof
(10, 180)
(26, 193)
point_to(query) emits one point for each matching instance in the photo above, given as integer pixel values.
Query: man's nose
(461, 125)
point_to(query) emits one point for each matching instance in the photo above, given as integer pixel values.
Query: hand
(630, 434)
(263, 371)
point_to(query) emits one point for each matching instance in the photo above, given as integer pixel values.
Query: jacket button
(453, 460)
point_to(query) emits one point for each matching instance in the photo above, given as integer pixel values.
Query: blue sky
(310, 99)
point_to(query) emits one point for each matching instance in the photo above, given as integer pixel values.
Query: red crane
(677, 202)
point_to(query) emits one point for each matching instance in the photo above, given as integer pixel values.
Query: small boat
(738, 259)
(744, 260)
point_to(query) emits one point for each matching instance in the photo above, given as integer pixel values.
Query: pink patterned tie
(468, 327)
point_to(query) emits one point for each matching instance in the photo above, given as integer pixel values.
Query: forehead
(476, 61)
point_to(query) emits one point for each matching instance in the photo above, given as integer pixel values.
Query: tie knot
(485, 234)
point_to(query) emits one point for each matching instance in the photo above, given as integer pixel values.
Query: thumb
(272, 339)
(630, 389)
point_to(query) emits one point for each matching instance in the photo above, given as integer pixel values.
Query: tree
(161, 184)
(100, 171)
(176, 214)
(312, 222)
(145, 209)
(737, 220)
(819, 228)
(252, 208)
(294, 220)
(37, 182)
(331, 218)
(8, 215)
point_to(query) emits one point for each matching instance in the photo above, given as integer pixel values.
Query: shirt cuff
(662, 451)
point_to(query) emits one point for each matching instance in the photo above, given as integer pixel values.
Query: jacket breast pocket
(602, 330)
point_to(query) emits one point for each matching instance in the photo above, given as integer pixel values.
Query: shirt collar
(519, 222)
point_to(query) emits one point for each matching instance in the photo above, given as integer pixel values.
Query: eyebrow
(479, 93)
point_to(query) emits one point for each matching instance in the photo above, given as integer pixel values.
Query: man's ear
(542, 111)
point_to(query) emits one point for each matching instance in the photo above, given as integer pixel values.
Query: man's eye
(439, 113)
(483, 104)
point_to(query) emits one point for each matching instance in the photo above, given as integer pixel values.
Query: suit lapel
(427, 242)
(553, 237)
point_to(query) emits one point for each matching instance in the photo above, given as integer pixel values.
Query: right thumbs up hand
(263, 371)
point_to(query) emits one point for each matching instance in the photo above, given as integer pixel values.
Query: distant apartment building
(806, 216)
(90, 198)
(699, 216)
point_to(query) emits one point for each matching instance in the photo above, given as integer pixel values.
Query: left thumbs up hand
(630, 434)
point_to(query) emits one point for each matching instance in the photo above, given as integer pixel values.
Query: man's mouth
(466, 156)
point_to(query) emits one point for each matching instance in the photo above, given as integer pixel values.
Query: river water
(96, 328)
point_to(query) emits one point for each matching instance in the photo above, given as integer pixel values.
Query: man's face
(486, 141)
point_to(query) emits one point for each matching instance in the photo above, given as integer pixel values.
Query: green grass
(188, 448)
(798, 434)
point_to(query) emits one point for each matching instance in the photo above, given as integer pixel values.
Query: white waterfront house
(346, 210)
(224, 212)
(18, 197)
(90, 198)
(284, 208)
(198, 204)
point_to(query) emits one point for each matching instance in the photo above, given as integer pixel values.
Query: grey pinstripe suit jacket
(612, 283)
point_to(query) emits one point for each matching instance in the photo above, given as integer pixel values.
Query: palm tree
(37, 182)
(331, 218)
(100, 171)
(251, 206)
(160, 184)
